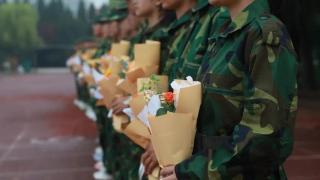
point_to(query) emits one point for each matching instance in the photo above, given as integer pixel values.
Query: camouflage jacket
(189, 58)
(250, 99)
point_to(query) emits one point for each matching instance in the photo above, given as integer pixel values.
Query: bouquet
(136, 130)
(172, 118)
(145, 63)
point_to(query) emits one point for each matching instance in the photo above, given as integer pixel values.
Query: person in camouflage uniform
(156, 21)
(188, 40)
(120, 149)
(113, 145)
(246, 120)
(190, 33)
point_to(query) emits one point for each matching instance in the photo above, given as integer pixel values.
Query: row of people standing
(246, 62)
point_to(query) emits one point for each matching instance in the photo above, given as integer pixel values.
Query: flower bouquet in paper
(172, 119)
(108, 89)
(137, 130)
(108, 86)
(145, 63)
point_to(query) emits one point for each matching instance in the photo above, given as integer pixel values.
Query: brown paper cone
(133, 75)
(189, 100)
(147, 54)
(109, 90)
(172, 136)
(119, 122)
(149, 70)
(100, 103)
(115, 66)
(127, 86)
(104, 63)
(89, 79)
(121, 49)
(137, 104)
(138, 133)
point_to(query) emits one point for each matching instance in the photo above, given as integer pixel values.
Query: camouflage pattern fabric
(249, 95)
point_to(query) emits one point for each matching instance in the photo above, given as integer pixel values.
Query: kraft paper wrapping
(140, 72)
(137, 104)
(146, 61)
(104, 63)
(189, 99)
(147, 54)
(127, 86)
(89, 79)
(100, 102)
(120, 49)
(115, 67)
(172, 137)
(161, 86)
(108, 89)
(119, 122)
(138, 133)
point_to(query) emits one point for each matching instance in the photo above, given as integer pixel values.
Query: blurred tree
(82, 14)
(58, 26)
(92, 12)
(18, 27)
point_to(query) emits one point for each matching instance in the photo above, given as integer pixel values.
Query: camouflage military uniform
(246, 122)
(190, 34)
(156, 33)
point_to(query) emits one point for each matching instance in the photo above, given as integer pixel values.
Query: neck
(236, 8)
(154, 18)
(185, 7)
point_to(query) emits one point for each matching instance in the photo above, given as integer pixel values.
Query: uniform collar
(181, 21)
(255, 9)
(201, 4)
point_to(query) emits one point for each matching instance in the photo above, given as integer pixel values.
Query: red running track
(44, 137)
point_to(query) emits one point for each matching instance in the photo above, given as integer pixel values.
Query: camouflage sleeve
(265, 133)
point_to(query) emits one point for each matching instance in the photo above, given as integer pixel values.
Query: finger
(152, 166)
(147, 161)
(148, 165)
(143, 157)
(113, 105)
(166, 171)
(116, 110)
(171, 177)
